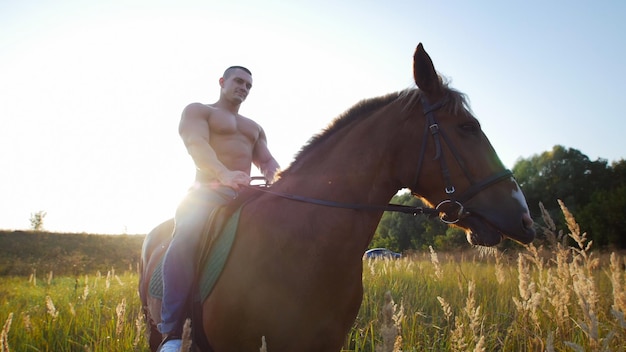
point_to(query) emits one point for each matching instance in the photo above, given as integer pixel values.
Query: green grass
(552, 298)
(88, 316)
(86, 313)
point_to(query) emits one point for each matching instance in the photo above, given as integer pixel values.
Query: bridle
(450, 210)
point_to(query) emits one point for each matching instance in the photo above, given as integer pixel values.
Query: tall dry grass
(558, 296)
(550, 297)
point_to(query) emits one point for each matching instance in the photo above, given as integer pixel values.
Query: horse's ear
(424, 72)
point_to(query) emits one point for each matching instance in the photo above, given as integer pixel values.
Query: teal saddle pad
(211, 268)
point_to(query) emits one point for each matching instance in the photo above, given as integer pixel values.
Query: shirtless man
(223, 145)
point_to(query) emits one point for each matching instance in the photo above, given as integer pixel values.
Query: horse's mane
(408, 97)
(357, 112)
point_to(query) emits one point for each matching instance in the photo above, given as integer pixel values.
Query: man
(223, 145)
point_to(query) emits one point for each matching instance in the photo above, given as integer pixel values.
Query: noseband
(451, 210)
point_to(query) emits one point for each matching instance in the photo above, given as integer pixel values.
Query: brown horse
(294, 272)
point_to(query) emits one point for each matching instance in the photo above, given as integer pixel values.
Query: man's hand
(270, 169)
(234, 179)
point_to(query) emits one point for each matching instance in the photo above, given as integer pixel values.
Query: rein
(399, 208)
(450, 210)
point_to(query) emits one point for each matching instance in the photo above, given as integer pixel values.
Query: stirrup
(173, 343)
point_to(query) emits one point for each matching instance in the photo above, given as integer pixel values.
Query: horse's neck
(346, 172)
(352, 166)
(358, 164)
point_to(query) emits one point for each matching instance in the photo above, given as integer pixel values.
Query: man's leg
(178, 272)
(180, 258)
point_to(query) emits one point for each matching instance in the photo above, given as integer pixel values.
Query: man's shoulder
(198, 110)
(199, 107)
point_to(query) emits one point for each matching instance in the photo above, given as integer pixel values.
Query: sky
(91, 92)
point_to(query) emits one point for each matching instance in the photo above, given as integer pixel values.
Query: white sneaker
(171, 346)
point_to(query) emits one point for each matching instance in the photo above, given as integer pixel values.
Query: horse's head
(458, 170)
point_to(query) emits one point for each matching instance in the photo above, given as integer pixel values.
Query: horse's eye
(470, 127)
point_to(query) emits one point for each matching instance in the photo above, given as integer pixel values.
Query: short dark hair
(230, 70)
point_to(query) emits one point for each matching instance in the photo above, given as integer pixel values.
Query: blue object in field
(381, 253)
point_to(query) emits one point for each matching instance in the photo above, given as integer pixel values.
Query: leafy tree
(395, 229)
(618, 174)
(605, 217)
(454, 238)
(400, 232)
(592, 190)
(565, 174)
(36, 220)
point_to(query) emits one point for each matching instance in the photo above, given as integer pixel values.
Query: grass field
(552, 298)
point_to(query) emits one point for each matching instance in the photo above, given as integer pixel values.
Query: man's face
(237, 85)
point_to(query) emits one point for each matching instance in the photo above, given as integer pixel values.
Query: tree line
(593, 191)
(23, 253)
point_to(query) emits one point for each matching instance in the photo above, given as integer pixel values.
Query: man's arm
(263, 159)
(194, 131)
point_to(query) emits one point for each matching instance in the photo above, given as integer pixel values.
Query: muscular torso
(233, 138)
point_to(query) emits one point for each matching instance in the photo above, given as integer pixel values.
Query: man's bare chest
(227, 125)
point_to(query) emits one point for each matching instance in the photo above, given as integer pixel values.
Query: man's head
(229, 71)
(236, 83)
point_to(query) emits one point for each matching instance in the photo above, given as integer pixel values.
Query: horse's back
(153, 249)
(156, 238)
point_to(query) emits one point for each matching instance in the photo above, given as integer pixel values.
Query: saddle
(218, 239)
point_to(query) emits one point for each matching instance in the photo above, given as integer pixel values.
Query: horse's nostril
(527, 221)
